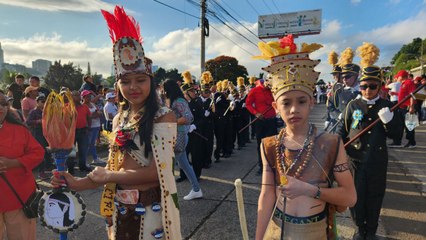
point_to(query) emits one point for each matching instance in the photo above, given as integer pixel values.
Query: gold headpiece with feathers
(205, 81)
(369, 54)
(219, 86)
(290, 69)
(252, 80)
(345, 62)
(333, 59)
(187, 81)
(225, 84)
(240, 81)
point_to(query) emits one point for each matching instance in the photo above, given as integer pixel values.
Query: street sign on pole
(296, 23)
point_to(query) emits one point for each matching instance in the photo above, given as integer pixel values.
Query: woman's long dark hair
(172, 90)
(146, 124)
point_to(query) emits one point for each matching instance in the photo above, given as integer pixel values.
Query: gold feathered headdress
(206, 80)
(369, 54)
(219, 86)
(252, 80)
(345, 62)
(187, 81)
(225, 84)
(291, 69)
(333, 60)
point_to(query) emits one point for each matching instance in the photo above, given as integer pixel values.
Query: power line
(275, 5)
(252, 7)
(227, 13)
(236, 44)
(176, 9)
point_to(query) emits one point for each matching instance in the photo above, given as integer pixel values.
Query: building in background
(41, 66)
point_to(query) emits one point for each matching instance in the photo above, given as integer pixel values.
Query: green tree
(410, 55)
(97, 78)
(159, 75)
(225, 67)
(173, 74)
(66, 75)
(109, 82)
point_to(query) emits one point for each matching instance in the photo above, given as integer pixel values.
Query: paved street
(216, 216)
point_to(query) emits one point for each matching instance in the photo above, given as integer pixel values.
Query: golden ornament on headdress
(369, 54)
(346, 57)
(333, 58)
(252, 80)
(225, 84)
(219, 86)
(291, 69)
(187, 77)
(240, 81)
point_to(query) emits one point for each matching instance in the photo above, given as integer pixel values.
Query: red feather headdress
(121, 25)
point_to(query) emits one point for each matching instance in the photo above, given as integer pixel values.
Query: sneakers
(97, 161)
(395, 145)
(409, 145)
(193, 195)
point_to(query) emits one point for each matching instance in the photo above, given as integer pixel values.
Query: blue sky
(74, 30)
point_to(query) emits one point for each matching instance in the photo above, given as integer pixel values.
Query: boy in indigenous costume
(299, 164)
(369, 152)
(140, 199)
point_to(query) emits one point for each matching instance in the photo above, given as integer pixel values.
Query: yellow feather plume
(346, 57)
(240, 81)
(252, 80)
(225, 84)
(333, 58)
(219, 86)
(187, 78)
(369, 54)
(206, 78)
(310, 47)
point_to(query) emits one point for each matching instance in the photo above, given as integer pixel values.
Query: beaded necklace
(285, 164)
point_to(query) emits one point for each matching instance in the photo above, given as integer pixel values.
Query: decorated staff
(60, 210)
(300, 164)
(139, 199)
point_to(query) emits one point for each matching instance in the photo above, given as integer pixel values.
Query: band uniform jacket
(371, 147)
(340, 99)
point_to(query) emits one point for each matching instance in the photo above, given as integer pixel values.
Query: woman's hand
(100, 175)
(61, 179)
(296, 188)
(7, 163)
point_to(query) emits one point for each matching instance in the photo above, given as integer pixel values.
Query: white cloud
(62, 5)
(355, 2)
(24, 51)
(181, 48)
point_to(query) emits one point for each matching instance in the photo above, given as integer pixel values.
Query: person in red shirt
(81, 133)
(407, 87)
(259, 103)
(20, 153)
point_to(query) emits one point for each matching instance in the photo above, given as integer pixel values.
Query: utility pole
(203, 35)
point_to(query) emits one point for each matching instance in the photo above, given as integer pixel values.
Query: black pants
(207, 130)
(264, 128)
(410, 135)
(370, 184)
(219, 132)
(195, 146)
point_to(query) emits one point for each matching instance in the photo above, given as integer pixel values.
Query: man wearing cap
(16, 91)
(195, 142)
(368, 153)
(207, 126)
(343, 95)
(407, 87)
(332, 104)
(29, 102)
(110, 110)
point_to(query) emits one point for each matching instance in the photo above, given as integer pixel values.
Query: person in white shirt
(394, 90)
(110, 110)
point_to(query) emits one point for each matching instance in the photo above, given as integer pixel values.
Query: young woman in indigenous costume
(140, 198)
(300, 164)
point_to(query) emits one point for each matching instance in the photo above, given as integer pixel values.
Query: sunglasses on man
(370, 86)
